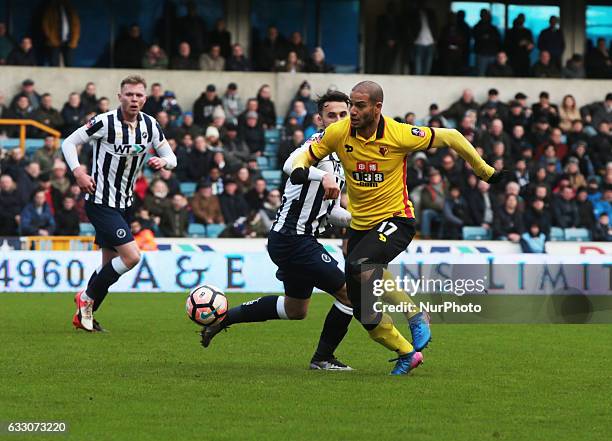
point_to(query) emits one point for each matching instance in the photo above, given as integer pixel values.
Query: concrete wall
(402, 93)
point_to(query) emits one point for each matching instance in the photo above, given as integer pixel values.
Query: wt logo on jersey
(129, 149)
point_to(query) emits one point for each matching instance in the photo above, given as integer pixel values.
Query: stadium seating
(556, 234)
(196, 230)
(263, 162)
(476, 233)
(577, 234)
(272, 177)
(188, 188)
(213, 230)
(86, 229)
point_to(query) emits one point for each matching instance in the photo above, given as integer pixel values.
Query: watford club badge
(383, 150)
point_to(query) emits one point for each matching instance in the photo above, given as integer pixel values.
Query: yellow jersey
(375, 168)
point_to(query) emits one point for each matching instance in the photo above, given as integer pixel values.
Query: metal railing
(23, 123)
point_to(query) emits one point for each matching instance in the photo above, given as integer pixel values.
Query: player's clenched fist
(85, 182)
(331, 187)
(156, 163)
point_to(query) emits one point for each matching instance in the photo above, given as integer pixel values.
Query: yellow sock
(397, 297)
(387, 335)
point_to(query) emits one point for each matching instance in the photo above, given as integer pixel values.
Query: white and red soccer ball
(206, 305)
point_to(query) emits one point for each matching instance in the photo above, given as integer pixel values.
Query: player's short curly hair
(332, 96)
(133, 79)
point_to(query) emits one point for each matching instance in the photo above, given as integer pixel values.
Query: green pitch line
(149, 379)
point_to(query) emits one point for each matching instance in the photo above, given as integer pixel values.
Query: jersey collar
(120, 116)
(380, 131)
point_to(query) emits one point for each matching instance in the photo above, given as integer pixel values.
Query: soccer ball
(206, 305)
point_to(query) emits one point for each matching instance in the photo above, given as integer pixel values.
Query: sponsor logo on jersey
(129, 149)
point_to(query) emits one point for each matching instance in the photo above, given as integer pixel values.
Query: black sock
(98, 301)
(258, 310)
(98, 288)
(334, 329)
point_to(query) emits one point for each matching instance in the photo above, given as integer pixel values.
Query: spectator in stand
(192, 29)
(253, 134)
(545, 67)
(481, 206)
(432, 204)
(11, 203)
(27, 89)
(586, 214)
(130, 48)
(170, 179)
(144, 237)
(291, 64)
(451, 171)
(455, 214)
(163, 120)
(213, 138)
(572, 171)
(565, 212)
(184, 60)
(22, 55)
(604, 205)
(232, 103)
(205, 105)
(579, 151)
(256, 196)
(103, 105)
(533, 240)
(72, 114)
(155, 58)
(487, 42)
(302, 117)
(304, 95)
(576, 134)
(388, 34)
(233, 205)
(417, 175)
(500, 67)
(153, 105)
(233, 145)
(67, 219)
(602, 232)
(88, 98)
(61, 28)
(199, 162)
(296, 44)
(458, 109)
(28, 181)
(522, 174)
(271, 50)
(252, 105)
(545, 109)
(237, 61)
(47, 155)
(222, 37)
(601, 146)
(79, 201)
(47, 115)
(4, 111)
(212, 61)
(597, 112)
(452, 46)
(205, 206)
(175, 218)
(36, 218)
(171, 107)
(156, 199)
(539, 214)
(423, 31)
(188, 127)
(519, 44)
(598, 61)
(288, 145)
(551, 40)
(568, 112)
(22, 110)
(494, 133)
(266, 108)
(316, 63)
(574, 68)
(6, 44)
(508, 222)
(264, 218)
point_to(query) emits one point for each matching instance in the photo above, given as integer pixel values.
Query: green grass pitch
(149, 379)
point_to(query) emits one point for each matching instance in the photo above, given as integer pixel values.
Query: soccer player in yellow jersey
(373, 150)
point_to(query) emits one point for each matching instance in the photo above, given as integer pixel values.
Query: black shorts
(303, 263)
(112, 225)
(381, 244)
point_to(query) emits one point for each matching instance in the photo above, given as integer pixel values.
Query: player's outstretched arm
(451, 138)
(166, 159)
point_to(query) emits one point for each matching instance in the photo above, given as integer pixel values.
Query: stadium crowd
(408, 40)
(560, 155)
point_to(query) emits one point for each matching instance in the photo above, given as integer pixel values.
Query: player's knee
(131, 259)
(296, 312)
(342, 296)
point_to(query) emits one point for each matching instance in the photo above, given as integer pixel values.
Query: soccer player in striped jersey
(122, 139)
(302, 261)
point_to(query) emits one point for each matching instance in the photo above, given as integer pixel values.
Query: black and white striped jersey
(119, 153)
(303, 210)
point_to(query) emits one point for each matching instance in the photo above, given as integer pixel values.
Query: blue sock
(258, 310)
